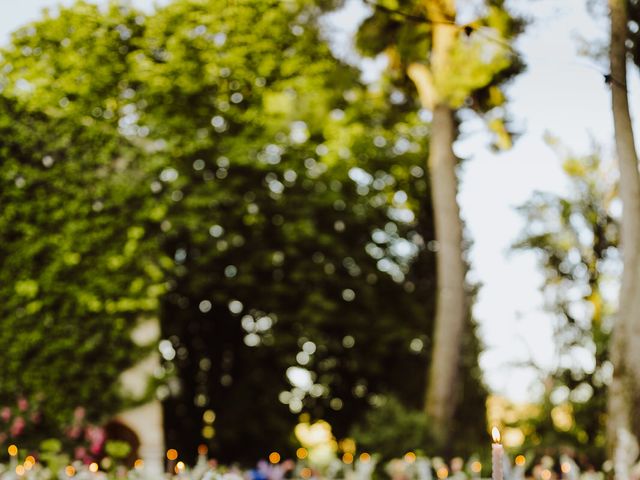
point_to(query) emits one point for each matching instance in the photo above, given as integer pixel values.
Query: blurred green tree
(452, 66)
(294, 232)
(214, 164)
(79, 256)
(575, 237)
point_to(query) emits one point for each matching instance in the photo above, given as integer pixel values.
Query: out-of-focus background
(225, 232)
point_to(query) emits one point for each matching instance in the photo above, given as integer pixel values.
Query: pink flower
(80, 453)
(95, 448)
(96, 437)
(23, 404)
(5, 414)
(18, 426)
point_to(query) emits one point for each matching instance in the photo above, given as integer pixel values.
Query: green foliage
(575, 237)
(79, 257)
(280, 197)
(218, 153)
(58, 229)
(481, 60)
(117, 449)
(391, 430)
(51, 454)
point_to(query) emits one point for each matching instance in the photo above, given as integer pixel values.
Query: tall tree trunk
(451, 301)
(451, 307)
(624, 392)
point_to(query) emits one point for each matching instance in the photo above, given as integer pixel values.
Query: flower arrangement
(409, 467)
(19, 420)
(87, 439)
(80, 442)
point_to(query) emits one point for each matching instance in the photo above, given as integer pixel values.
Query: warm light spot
(348, 445)
(495, 434)
(409, 457)
(138, 464)
(20, 470)
(70, 470)
(365, 457)
(31, 459)
(565, 467)
(562, 417)
(93, 467)
(203, 449)
(512, 437)
(302, 453)
(520, 460)
(28, 465)
(442, 472)
(306, 472)
(347, 458)
(546, 474)
(209, 416)
(274, 457)
(476, 467)
(180, 466)
(13, 450)
(208, 431)
(172, 454)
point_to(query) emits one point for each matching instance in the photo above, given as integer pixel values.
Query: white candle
(497, 454)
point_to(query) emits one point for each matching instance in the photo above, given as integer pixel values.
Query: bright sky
(559, 94)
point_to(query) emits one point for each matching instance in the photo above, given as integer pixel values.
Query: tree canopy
(216, 166)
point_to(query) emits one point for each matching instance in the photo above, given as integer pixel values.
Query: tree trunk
(451, 307)
(451, 301)
(624, 392)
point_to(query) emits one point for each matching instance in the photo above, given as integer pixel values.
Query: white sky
(558, 94)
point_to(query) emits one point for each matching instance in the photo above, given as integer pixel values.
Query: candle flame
(495, 434)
